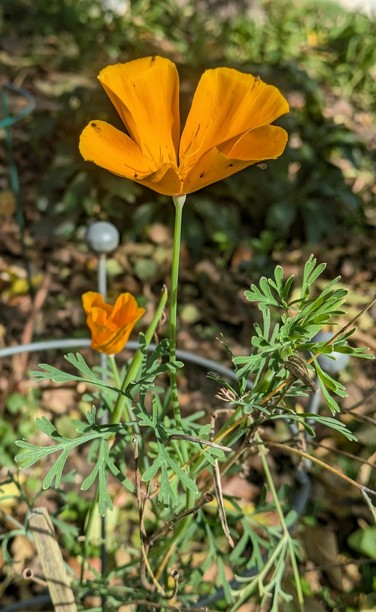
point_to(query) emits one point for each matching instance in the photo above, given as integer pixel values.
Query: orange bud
(110, 326)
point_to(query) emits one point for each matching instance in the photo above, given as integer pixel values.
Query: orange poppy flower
(110, 326)
(227, 128)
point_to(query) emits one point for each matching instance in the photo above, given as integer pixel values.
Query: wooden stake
(52, 562)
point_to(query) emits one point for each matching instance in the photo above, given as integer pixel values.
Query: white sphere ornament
(103, 237)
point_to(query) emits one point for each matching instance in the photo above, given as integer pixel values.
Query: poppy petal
(126, 310)
(145, 92)
(92, 299)
(112, 338)
(227, 103)
(212, 167)
(110, 342)
(113, 150)
(110, 326)
(267, 142)
(165, 181)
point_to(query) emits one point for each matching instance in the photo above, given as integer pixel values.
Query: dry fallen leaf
(322, 548)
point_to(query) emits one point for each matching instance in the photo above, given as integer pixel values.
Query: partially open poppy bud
(110, 325)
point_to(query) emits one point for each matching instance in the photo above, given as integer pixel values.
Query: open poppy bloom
(227, 128)
(110, 326)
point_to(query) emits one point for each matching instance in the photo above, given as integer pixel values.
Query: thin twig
(227, 449)
(362, 418)
(326, 466)
(151, 574)
(28, 574)
(145, 565)
(221, 507)
(218, 490)
(20, 361)
(205, 499)
(175, 577)
(163, 564)
(370, 505)
(230, 462)
(361, 401)
(199, 453)
(343, 453)
(351, 323)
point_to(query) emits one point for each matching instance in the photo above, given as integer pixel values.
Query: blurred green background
(321, 57)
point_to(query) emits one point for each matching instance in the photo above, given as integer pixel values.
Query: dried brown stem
(145, 565)
(326, 466)
(218, 489)
(226, 449)
(360, 402)
(205, 499)
(343, 453)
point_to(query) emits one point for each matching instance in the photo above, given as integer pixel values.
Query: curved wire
(46, 345)
(8, 121)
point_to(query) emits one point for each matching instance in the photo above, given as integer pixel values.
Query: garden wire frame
(103, 238)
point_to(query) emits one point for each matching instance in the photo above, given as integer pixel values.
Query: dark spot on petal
(95, 127)
(135, 175)
(152, 60)
(202, 174)
(231, 165)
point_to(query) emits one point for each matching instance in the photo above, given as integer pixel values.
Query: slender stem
(179, 203)
(115, 371)
(102, 275)
(102, 288)
(118, 383)
(262, 455)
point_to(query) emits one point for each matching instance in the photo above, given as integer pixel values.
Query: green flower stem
(115, 370)
(117, 381)
(88, 529)
(178, 203)
(262, 454)
(136, 362)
